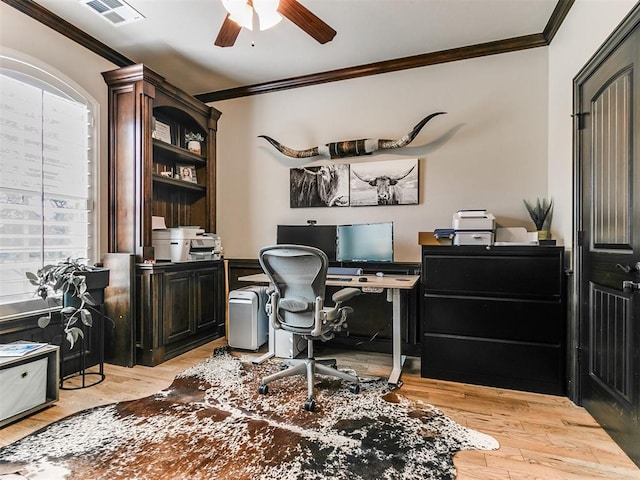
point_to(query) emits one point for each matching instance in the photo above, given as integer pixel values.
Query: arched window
(47, 180)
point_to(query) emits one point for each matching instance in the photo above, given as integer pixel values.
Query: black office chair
(296, 304)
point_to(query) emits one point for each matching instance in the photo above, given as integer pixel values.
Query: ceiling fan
(290, 9)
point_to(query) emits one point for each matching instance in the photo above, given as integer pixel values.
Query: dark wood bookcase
(148, 120)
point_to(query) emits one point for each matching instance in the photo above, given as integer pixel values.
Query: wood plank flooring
(541, 436)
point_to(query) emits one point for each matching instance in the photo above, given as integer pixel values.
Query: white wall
(489, 151)
(20, 33)
(585, 29)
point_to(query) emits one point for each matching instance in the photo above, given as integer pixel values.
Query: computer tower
(286, 344)
(248, 322)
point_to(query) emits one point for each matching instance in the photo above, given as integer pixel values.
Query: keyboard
(340, 279)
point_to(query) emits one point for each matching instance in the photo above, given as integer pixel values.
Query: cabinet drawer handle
(24, 374)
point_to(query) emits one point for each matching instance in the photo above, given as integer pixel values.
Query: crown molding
(417, 61)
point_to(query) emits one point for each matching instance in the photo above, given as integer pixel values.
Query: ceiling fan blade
(228, 33)
(306, 20)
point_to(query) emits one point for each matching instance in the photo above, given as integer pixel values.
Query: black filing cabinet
(495, 316)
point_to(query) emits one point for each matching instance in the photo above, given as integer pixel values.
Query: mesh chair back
(298, 274)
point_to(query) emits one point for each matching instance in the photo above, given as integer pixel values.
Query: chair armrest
(345, 294)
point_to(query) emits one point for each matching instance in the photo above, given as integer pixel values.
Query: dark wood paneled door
(608, 229)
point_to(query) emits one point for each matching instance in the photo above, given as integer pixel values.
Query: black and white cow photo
(325, 186)
(393, 182)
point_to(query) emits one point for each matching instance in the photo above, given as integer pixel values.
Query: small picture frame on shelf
(162, 132)
(187, 173)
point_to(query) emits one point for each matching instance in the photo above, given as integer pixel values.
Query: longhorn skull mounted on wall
(352, 148)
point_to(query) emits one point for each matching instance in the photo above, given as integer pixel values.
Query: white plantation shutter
(45, 183)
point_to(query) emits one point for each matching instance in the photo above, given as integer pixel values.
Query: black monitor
(319, 236)
(365, 242)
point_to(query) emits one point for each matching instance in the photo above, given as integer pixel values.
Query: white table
(393, 284)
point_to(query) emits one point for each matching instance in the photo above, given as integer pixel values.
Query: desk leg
(398, 358)
(263, 358)
(272, 349)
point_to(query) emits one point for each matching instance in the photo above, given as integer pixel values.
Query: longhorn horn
(290, 152)
(409, 137)
(352, 148)
(397, 179)
(310, 172)
(360, 178)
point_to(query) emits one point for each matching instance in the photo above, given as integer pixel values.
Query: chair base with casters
(310, 366)
(297, 276)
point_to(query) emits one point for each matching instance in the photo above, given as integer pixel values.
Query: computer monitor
(319, 236)
(365, 242)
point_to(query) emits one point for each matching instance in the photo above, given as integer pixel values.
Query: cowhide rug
(212, 424)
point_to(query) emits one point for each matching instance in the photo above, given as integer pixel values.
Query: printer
(473, 227)
(207, 246)
(185, 243)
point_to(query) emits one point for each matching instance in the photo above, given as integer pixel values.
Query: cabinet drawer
(473, 238)
(23, 387)
(532, 367)
(534, 276)
(506, 319)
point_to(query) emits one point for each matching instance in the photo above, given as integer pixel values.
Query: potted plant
(82, 287)
(193, 140)
(539, 213)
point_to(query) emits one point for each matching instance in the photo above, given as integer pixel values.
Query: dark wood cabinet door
(207, 284)
(178, 320)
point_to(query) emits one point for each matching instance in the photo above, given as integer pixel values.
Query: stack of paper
(476, 213)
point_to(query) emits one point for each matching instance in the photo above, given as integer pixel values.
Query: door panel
(207, 299)
(178, 316)
(610, 352)
(611, 114)
(608, 168)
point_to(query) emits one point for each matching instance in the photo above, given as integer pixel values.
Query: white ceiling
(176, 37)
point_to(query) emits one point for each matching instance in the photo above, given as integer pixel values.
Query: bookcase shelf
(177, 183)
(170, 152)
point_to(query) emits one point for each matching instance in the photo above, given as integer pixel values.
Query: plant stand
(83, 373)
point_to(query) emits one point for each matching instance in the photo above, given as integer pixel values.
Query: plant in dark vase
(82, 287)
(539, 212)
(193, 141)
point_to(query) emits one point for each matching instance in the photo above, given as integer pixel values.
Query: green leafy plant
(67, 278)
(193, 137)
(539, 211)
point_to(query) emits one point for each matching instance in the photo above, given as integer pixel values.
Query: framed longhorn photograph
(392, 182)
(324, 186)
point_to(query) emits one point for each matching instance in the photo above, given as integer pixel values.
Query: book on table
(19, 349)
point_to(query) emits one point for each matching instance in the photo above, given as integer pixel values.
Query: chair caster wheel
(263, 389)
(310, 405)
(354, 388)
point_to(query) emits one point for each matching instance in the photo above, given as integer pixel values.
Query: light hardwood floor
(541, 436)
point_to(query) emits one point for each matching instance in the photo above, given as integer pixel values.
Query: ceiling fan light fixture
(267, 11)
(240, 12)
